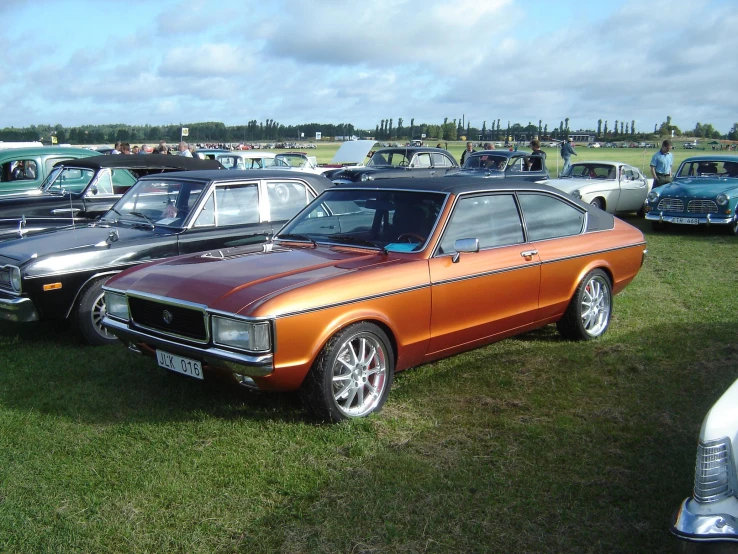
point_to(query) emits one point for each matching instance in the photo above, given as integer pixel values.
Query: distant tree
(622, 125)
(615, 128)
(484, 130)
(545, 129)
(567, 125)
(561, 127)
(655, 128)
(605, 131)
(627, 128)
(540, 128)
(733, 133)
(376, 132)
(389, 131)
(599, 127)
(412, 128)
(399, 127)
(633, 127)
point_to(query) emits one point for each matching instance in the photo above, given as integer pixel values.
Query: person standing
(469, 150)
(661, 163)
(184, 150)
(567, 151)
(530, 163)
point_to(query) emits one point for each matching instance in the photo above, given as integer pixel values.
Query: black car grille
(183, 322)
(702, 207)
(671, 205)
(5, 279)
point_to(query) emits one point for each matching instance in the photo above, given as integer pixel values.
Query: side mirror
(93, 190)
(465, 245)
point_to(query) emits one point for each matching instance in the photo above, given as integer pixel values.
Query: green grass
(532, 444)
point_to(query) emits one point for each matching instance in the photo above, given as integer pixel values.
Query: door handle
(528, 254)
(73, 211)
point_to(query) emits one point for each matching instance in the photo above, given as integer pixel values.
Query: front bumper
(689, 525)
(243, 364)
(701, 219)
(18, 309)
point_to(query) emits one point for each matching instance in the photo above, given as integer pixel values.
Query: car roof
(45, 150)
(712, 158)
(503, 153)
(458, 184)
(411, 149)
(248, 154)
(139, 161)
(317, 181)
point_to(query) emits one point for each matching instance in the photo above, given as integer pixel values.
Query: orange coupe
(369, 280)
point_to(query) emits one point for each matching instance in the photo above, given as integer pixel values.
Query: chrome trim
(268, 322)
(10, 290)
(253, 366)
(169, 302)
(19, 309)
(604, 251)
(690, 525)
(122, 266)
(661, 218)
(714, 476)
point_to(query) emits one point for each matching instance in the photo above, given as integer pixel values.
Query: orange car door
(486, 293)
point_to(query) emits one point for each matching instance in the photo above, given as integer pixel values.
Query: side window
(103, 185)
(23, 170)
(207, 215)
(493, 219)
(122, 180)
(547, 217)
(286, 199)
(422, 160)
(439, 160)
(236, 205)
(515, 166)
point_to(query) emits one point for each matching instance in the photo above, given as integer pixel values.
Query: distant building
(578, 137)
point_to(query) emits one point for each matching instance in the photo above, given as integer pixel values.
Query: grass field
(532, 444)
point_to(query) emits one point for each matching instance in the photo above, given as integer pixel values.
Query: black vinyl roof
(317, 181)
(142, 161)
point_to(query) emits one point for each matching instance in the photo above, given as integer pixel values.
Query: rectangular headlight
(244, 335)
(116, 305)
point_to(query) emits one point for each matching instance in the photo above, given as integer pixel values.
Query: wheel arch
(84, 286)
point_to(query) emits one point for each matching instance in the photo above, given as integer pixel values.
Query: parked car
(610, 186)
(24, 169)
(704, 192)
(58, 274)
(209, 153)
(298, 161)
(246, 159)
(79, 191)
(503, 164)
(375, 278)
(594, 145)
(404, 161)
(711, 513)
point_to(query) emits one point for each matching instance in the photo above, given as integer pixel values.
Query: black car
(388, 163)
(59, 273)
(79, 191)
(504, 164)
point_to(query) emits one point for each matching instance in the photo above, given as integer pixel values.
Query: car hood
(569, 185)
(698, 188)
(77, 239)
(485, 173)
(266, 279)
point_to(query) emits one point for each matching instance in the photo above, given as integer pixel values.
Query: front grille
(184, 322)
(671, 205)
(5, 279)
(702, 207)
(713, 471)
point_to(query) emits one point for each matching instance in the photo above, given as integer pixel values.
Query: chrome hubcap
(97, 314)
(595, 306)
(359, 375)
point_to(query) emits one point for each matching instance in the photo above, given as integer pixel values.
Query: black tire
(588, 314)
(363, 382)
(598, 203)
(657, 226)
(733, 227)
(88, 313)
(642, 211)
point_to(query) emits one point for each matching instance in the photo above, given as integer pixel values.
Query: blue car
(704, 192)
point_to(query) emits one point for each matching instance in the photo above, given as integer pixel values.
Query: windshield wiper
(114, 220)
(357, 241)
(144, 216)
(289, 236)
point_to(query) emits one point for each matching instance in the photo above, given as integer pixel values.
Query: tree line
(271, 130)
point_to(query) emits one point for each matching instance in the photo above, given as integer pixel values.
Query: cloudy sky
(79, 62)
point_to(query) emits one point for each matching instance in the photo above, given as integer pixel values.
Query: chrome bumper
(17, 308)
(701, 219)
(691, 526)
(243, 364)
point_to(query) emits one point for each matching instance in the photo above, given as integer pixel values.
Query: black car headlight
(15, 278)
(116, 305)
(722, 199)
(252, 336)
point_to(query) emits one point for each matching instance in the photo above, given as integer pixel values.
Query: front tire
(598, 203)
(589, 312)
(88, 314)
(352, 375)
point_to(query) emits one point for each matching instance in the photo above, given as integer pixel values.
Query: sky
(160, 62)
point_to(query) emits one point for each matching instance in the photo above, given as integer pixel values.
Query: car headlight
(653, 196)
(722, 199)
(244, 335)
(366, 177)
(116, 305)
(576, 194)
(15, 279)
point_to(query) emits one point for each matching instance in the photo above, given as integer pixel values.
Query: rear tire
(598, 203)
(88, 314)
(352, 376)
(589, 312)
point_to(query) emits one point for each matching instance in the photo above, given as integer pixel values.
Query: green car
(24, 169)
(704, 192)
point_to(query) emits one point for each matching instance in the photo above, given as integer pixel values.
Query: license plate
(185, 366)
(686, 220)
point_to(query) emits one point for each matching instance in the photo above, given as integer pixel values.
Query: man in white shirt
(184, 150)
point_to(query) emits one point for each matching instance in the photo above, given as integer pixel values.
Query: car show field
(532, 444)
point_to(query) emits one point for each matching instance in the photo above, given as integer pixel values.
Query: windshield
(486, 161)
(709, 168)
(69, 179)
(161, 202)
(400, 221)
(591, 171)
(290, 160)
(51, 177)
(234, 161)
(388, 158)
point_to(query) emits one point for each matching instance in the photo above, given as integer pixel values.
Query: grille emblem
(167, 316)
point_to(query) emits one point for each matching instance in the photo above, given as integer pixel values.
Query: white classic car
(610, 186)
(246, 159)
(711, 513)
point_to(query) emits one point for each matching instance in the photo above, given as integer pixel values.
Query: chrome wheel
(595, 309)
(359, 375)
(97, 313)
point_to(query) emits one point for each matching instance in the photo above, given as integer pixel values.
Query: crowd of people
(125, 148)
